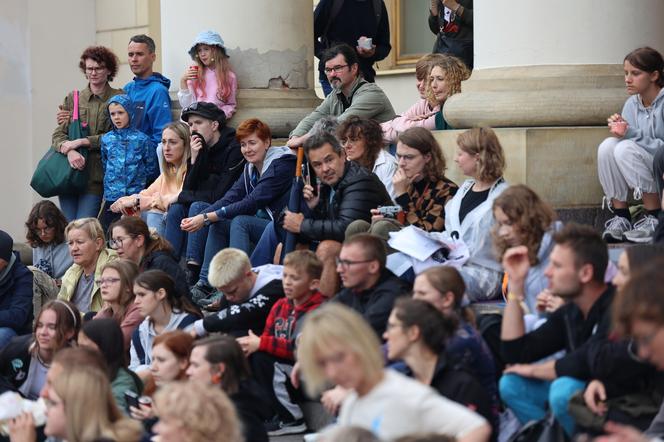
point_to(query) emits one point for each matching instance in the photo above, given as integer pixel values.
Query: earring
(212, 60)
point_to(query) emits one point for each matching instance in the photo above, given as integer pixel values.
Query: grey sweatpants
(623, 165)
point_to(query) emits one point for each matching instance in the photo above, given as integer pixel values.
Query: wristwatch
(206, 220)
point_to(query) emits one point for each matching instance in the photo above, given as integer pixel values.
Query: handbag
(54, 175)
(546, 429)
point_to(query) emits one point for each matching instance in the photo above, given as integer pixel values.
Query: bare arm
(516, 264)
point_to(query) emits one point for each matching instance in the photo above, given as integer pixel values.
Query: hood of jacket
(128, 105)
(272, 154)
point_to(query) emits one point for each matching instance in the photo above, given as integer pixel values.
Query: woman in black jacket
(132, 240)
(219, 361)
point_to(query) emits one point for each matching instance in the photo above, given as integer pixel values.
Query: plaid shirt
(278, 338)
(427, 210)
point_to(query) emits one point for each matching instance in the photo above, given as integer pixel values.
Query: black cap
(206, 110)
(6, 246)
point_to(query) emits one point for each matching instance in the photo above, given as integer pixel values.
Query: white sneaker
(615, 228)
(643, 230)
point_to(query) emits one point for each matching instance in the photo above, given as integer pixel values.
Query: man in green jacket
(352, 95)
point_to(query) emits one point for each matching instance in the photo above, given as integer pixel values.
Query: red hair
(179, 343)
(253, 126)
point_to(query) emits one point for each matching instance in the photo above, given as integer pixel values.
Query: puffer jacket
(357, 192)
(126, 156)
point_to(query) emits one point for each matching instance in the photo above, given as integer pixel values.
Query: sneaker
(276, 427)
(615, 228)
(643, 230)
(193, 272)
(200, 291)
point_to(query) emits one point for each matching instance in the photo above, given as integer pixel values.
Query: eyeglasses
(345, 141)
(95, 70)
(43, 231)
(345, 263)
(336, 69)
(103, 281)
(117, 242)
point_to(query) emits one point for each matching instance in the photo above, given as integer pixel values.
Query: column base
(533, 96)
(560, 164)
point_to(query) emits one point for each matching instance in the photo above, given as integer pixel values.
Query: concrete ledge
(559, 163)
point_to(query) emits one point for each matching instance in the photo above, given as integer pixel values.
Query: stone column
(270, 43)
(542, 64)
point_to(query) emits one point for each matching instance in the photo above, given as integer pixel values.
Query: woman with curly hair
(363, 143)
(99, 65)
(46, 235)
(523, 219)
(438, 77)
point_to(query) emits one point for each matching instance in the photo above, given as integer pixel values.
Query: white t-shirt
(399, 406)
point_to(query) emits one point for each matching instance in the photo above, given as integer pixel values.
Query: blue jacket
(16, 297)
(270, 193)
(153, 105)
(126, 155)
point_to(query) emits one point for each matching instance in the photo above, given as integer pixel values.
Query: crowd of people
(196, 291)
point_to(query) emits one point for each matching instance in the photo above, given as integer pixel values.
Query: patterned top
(424, 203)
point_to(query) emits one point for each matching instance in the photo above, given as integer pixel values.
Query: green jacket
(92, 110)
(71, 277)
(366, 100)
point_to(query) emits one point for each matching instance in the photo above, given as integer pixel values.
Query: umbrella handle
(300, 159)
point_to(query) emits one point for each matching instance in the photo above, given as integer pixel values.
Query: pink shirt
(410, 118)
(209, 95)
(130, 322)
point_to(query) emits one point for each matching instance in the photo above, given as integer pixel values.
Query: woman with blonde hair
(117, 292)
(87, 246)
(480, 157)
(184, 414)
(154, 201)
(338, 346)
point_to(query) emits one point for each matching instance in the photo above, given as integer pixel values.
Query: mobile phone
(131, 399)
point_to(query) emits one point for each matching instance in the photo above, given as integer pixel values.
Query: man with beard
(576, 273)
(351, 94)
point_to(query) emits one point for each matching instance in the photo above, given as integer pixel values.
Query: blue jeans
(175, 235)
(156, 221)
(6, 335)
(80, 206)
(245, 231)
(528, 398)
(266, 246)
(324, 83)
(196, 240)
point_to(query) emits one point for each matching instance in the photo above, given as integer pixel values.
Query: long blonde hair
(176, 173)
(222, 70)
(90, 408)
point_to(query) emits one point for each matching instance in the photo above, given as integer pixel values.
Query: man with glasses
(352, 95)
(576, 269)
(369, 287)
(346, 192)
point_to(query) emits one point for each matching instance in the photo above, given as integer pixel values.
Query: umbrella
(295, 198)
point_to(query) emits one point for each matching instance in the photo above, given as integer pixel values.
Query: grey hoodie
(645, 124)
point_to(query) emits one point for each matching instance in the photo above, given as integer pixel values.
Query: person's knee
(562, 389)
(357, 226)
(328, 250)
(510, 387)
(625, 151)
(196, 207)
(606, 148)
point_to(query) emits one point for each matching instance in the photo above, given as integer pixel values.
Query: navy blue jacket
(16, 298)
(270, 193)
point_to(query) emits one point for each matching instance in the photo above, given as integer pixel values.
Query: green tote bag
(53, 175)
